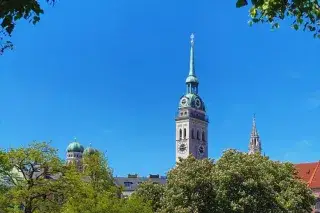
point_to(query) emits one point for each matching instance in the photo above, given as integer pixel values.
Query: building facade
(130, 183)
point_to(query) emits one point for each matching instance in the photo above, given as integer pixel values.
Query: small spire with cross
(192, 38)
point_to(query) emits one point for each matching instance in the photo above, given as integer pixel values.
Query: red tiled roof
(310, 173)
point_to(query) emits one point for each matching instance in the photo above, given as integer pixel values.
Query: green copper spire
(191, 70)
(192, 80)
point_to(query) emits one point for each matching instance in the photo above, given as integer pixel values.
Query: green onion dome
(89, 150)
(75, 146)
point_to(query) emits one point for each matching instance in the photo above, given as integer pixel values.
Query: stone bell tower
(191, 120)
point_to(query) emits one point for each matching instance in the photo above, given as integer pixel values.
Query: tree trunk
(28, 208)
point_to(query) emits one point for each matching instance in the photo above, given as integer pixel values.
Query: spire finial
(191, 70)
(90, 144)
(254, 126)
(192, 38)
(75, 139)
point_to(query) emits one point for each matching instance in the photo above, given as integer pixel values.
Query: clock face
(201, 150)
(182, 148)
(198, 103)
(183, 101)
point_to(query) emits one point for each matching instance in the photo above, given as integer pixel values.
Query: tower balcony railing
(199, 116)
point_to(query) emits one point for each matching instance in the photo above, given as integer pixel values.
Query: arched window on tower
(198, 135)
(203, 136)
(192, 134)
(180, 133)
(184, 133)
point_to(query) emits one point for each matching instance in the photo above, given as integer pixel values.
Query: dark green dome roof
(192, 100)
(75, 147)
(89, 150)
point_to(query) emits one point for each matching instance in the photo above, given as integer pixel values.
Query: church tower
(255, 143)
(74, 153)
(191, 120)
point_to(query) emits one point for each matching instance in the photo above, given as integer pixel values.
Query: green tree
(238, 183)
(25, 179)
(253, 183)
(304, 13)
(150, 192)
(97, 171)
(135, 205)
(95, 191)
(190, 188)
(11, 11)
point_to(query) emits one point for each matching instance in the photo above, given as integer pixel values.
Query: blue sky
(112, 73)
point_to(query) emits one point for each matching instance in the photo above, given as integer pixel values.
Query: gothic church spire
(255, 143)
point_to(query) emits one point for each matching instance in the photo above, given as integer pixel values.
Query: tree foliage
(11, 11)
(25, 176)
(94, 186)
(305, 14)
(190, 188)
(253, 183)
(35, 180)
(95, 191)
(235, 183)
(150, 192)
(97, 171)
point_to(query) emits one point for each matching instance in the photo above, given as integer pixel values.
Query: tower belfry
(255, 143)
(191, 120)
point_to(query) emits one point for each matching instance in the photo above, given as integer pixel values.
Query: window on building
(128, 184)
(192, 134)
(203, 136)
(184, 133)
(198, 135)
(180, 133)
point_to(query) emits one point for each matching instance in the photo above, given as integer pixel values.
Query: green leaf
(296, 26)
(253, 12)
(241, 3)
(256, 3)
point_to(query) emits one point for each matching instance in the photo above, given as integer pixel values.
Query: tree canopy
(150, 192)
(254, 183)
(34, 179)
(237, 182)
(305, 14)
(24, 174)
(11, 11)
